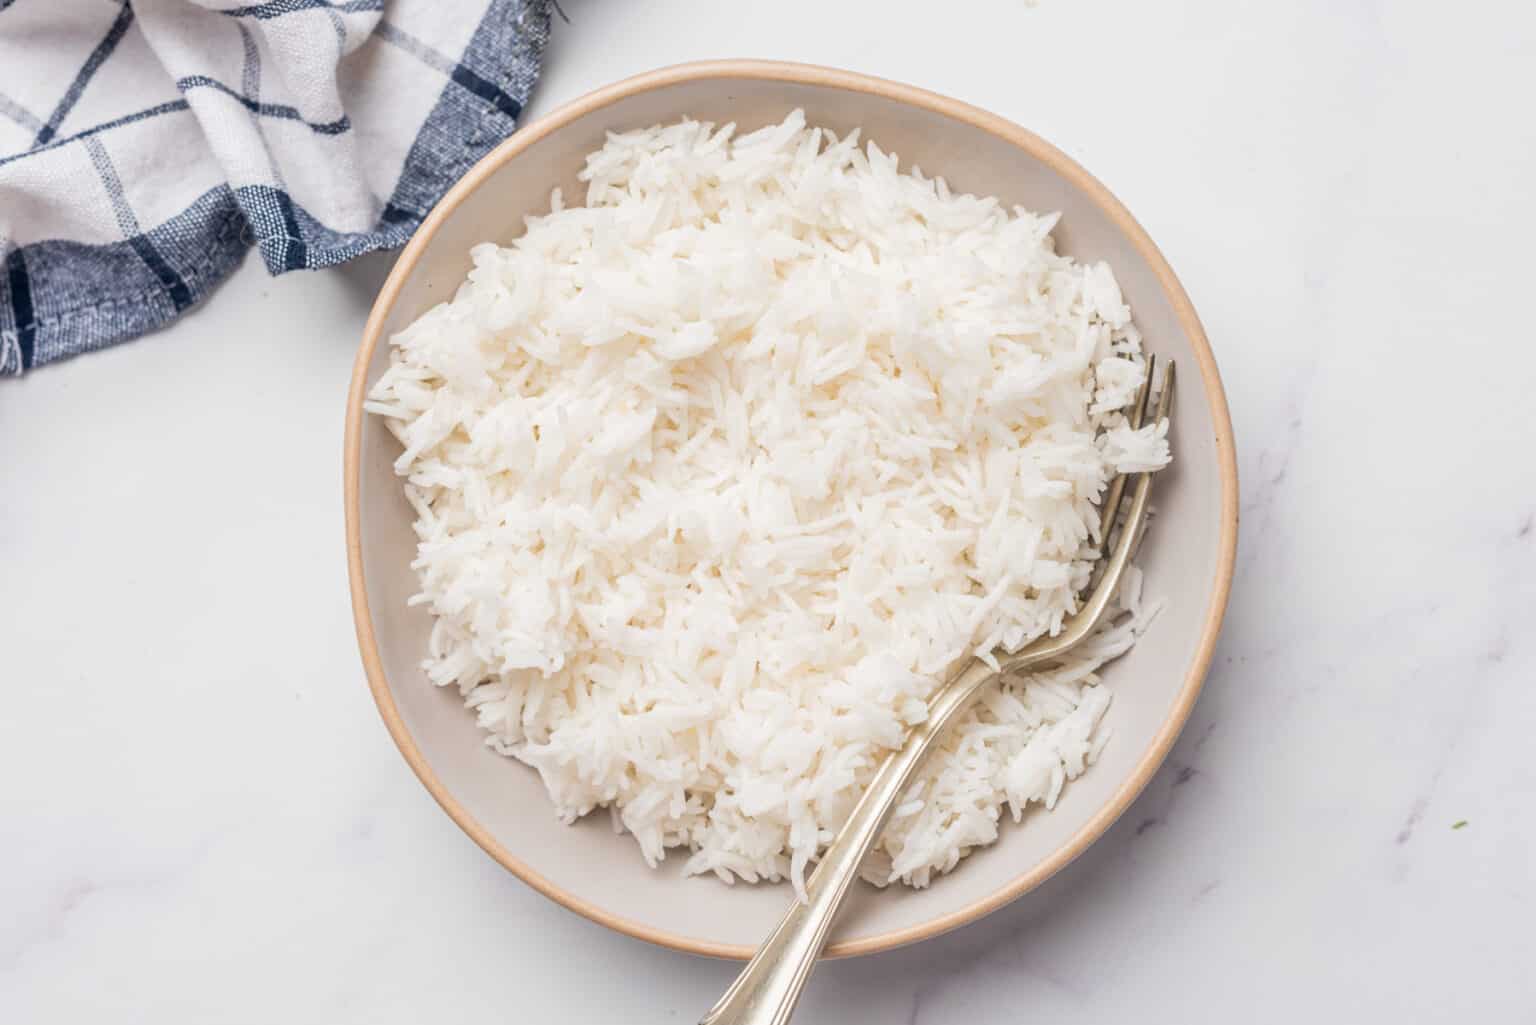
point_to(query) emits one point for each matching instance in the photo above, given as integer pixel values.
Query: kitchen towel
(145, 145)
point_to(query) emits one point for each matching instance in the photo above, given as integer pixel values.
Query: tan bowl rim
(775, 71)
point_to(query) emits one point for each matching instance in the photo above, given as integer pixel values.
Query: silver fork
(766, 991)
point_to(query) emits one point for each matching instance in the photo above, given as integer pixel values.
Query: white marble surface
(204, 822)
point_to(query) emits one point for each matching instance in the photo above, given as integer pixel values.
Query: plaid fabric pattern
(145, 145)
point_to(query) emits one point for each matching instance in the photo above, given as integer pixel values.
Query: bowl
(501, 804)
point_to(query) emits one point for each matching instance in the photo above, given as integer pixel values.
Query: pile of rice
(718, 475)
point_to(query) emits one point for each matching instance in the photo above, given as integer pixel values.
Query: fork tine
(1111, 505)
(1097, 604)
(1164, 408)
(1135, 523)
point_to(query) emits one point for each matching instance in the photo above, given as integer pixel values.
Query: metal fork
(766, 991)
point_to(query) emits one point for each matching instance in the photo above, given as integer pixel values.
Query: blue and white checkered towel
(146, 144)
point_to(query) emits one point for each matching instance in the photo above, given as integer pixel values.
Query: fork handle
(766, 991)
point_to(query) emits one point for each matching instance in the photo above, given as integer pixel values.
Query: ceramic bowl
(501, 804)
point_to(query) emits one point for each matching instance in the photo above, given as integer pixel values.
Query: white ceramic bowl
(1189, 557)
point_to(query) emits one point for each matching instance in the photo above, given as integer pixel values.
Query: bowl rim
(785, 72)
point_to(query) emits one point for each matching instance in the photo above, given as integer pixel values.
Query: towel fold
(145, 145)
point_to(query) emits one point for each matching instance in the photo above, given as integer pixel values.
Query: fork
(766, 991)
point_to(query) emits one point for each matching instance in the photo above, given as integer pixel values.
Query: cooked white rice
(718, 475)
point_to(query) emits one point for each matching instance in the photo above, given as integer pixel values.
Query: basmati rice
(717, 475)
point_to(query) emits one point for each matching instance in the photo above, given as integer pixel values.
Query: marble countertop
(204, 821)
